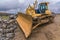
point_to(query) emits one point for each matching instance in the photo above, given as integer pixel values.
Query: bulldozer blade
(25, 23)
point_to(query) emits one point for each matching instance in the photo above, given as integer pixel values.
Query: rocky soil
(49, 31)
(9, 30)
(7, 27)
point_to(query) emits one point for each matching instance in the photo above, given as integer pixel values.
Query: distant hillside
(3, 13)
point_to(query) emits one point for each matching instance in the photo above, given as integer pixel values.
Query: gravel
(7, 27)
(11, 30)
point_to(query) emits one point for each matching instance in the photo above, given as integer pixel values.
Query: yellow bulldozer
(34, 17)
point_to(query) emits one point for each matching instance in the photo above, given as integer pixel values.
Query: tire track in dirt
(43, 32)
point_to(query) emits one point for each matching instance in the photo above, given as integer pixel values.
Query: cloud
(8, 4)
(55, 7)
(12, 11)
(14, 6)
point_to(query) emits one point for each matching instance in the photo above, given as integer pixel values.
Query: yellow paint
(25, 20)
(25, 23)
(48, 12)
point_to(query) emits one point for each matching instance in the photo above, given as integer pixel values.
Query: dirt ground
(43, 32)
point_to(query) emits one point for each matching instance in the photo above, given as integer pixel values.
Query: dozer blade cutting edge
(25, 23)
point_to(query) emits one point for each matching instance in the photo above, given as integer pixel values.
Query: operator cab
(42, 7)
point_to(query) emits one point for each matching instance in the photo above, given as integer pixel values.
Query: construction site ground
(49, 31)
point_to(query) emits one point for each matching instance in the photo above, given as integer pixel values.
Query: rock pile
(7, 28)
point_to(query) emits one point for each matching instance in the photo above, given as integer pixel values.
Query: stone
(4, 26)
(10, 35)
(7, 38)
(8, 30)
(1, 30)
(7, 27)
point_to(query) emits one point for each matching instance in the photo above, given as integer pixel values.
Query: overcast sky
(14, 6)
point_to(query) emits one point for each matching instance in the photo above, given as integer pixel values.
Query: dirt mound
(43, 32)
(9, 30)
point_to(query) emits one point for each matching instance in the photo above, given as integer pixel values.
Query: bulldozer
(33, 17)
